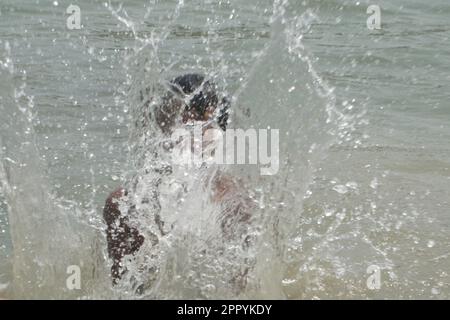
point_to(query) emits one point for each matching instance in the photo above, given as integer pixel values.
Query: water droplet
(288, 281)
(340, 189)
(352, 185)
(374, 183)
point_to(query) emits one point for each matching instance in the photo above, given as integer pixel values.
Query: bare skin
(122, 239)
(125, 240)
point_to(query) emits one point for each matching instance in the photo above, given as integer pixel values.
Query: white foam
(4, 286)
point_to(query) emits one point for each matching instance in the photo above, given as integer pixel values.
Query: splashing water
(47, 237)
(194, 259)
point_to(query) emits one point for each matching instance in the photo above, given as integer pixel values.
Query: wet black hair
(204, 96)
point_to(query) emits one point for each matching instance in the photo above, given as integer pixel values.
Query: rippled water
(371, 105)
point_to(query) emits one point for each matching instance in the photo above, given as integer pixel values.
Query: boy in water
(193, 100)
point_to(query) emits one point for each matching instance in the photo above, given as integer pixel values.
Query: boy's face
(198, 108)
(193, 115)
(167, 119)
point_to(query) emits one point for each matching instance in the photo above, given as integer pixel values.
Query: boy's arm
(237, 205)
(237, 208)
(121, 238)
